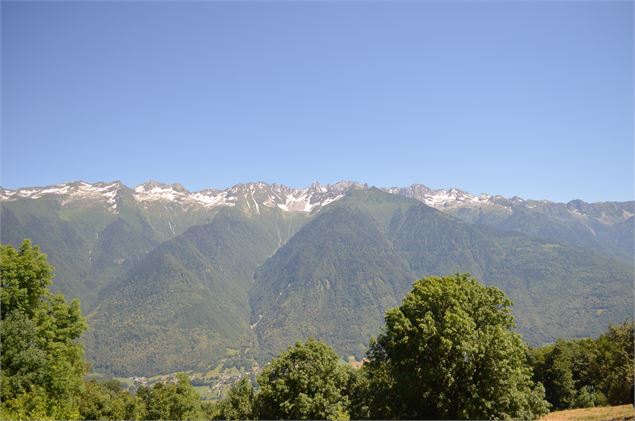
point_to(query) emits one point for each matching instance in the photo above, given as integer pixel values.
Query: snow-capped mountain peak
(255, 197)
(251, 196)
(73, 191)
(441, 199)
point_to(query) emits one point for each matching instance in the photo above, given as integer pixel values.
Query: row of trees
(307, 381)
(588, 372)
(448, 352)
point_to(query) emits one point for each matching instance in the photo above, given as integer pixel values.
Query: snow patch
(453, 198)
(70, 192)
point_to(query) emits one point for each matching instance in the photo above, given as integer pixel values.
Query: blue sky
(526, 98)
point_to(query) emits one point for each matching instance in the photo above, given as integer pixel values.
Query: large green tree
(569, 372)
(308, 381)
(238, 404)
(557, 375)
(172, 400)
(588, 372)
(616, 360)
(41, 359)
(109, 401)
(449, 352)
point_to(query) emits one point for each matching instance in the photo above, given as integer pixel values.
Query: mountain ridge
(154, 190)
(361, 254)
(267, 262)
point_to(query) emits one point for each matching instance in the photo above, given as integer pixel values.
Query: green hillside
(172, 286)
(600, 227)
(360, 255)
(556, 289)
(333, 280)
(185, 304)
(89, 245)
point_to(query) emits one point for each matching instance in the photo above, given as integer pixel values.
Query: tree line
(447, 352)
(587, 372)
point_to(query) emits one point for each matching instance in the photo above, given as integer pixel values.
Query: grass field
(622, 412)
(205, 393)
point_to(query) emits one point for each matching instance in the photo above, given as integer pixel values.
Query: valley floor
(621, 412)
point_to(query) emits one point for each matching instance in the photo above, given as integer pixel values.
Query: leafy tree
(587, 372)
(557, 375)
(239, 403)
(26, 275)
(41, 359)
(585, 398)
(172, 401)
(109, 401)
(449, 352)
(358, 391)
(616, 363)
(307, 381)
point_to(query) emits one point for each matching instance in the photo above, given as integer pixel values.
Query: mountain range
(176, 280)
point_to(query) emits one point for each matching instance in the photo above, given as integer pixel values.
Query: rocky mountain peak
(255, 195)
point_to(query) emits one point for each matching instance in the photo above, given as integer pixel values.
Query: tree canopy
(307, 381)
(172, 401)
(238, 404)
(41, 359)
(588, 372)
(449, 352)
(110, 401)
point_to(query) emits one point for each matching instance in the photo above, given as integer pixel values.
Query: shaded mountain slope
(185, 304)
(597, 227)
(335, 278)
(89, 244)
(167, 275)
(557, 290)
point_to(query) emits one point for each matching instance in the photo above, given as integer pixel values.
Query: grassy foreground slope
(602, 413)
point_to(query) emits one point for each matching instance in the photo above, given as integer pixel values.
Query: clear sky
(527, 98)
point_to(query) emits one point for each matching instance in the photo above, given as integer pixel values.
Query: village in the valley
(212, 384)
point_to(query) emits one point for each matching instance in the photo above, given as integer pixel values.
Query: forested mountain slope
(334, 280)
(604, 227)
(94, 238)
(339, 272)
(185, 305)
(173, 280)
